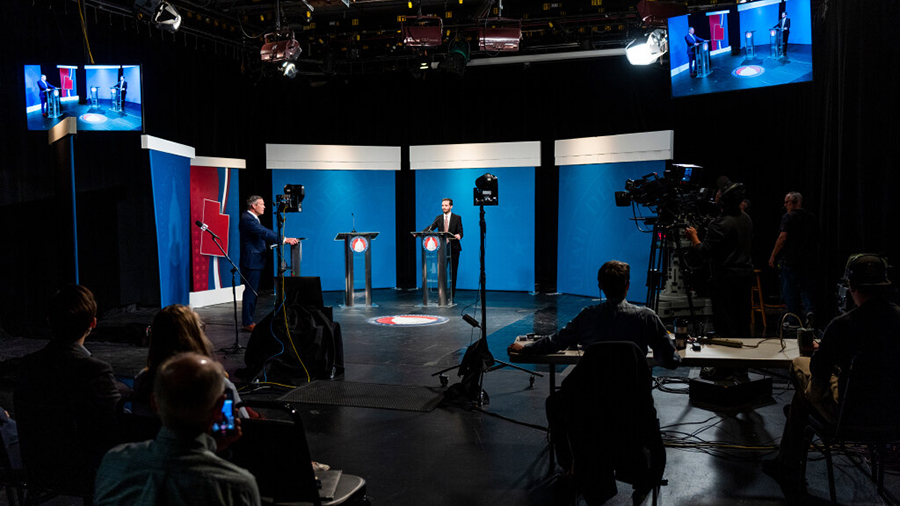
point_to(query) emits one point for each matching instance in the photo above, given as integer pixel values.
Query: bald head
(188, 391)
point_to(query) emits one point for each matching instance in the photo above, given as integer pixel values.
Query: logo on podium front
(431, 243)
(359, 244)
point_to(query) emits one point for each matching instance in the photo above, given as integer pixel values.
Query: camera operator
(726, 246)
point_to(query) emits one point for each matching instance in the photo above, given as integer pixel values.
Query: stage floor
(496, 455)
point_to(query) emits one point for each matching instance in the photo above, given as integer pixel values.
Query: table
(768, 354)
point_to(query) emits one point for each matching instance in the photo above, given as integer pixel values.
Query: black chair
(610, 431)
(869, 415)
(277, 454)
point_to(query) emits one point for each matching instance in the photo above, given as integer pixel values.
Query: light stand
(478, 358)
(236, 347)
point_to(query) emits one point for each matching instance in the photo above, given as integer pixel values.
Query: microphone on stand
(354, 223)
(205, 228)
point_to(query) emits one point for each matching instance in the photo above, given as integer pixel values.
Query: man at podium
(255, 242)
(693, 42)
(44, 89)
(449, 222)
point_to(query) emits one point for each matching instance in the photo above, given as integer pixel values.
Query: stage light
(485, 190)
(289, 69)
(648, 48)
(167, 17)
(499, 34)
(280, 46)
(457, 58)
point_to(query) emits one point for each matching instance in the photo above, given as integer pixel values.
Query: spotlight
(457, 58)
(167, 17)
(289, 69)
(648, 48)
(280, 46)
(499, 34)
(486, 190)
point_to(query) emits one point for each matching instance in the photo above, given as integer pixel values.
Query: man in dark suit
(784, 24)
(122, 85)
(255, 242)
(449, 222)
(65, 399)
(45, 88)
(692, 43)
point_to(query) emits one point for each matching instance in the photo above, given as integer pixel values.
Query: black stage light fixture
(290, 201)
(485, 190)
(457, 58)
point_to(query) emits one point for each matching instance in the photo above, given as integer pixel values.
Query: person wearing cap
(726, 246)
(871, 329)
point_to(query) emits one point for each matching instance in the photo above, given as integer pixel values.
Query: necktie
(446, 223)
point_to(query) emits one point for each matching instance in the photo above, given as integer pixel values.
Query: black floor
(497, 454)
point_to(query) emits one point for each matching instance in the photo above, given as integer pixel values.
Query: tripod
(478, 358)
(236, 347)
(659, 260)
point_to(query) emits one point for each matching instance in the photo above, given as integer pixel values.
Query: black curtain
(831, 139)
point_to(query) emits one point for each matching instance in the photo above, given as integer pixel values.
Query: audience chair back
(611, 420)
(869, 415)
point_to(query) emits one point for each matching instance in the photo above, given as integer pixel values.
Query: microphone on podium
(353, 229)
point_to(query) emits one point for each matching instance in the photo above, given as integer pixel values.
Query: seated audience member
(65, 399)
(180, 465)
(871, 329)
(613, 320)
(176, 329)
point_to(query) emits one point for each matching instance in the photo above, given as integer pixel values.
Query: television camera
(676, 197)
(290, 201)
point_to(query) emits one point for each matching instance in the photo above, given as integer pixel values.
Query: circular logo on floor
(408, 320)
(748, 71)
(359, 244)
(93, 118)
(431, 243)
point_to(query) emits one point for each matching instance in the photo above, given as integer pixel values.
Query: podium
(775, 43)
(296, 257)
(114, 103)
(749, 45)
(356, 243)
(701, 51)
(436, 254)
(53, 110)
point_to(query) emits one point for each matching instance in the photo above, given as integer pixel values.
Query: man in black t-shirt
(795, 254)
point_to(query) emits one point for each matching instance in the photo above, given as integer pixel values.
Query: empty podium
(356, 243)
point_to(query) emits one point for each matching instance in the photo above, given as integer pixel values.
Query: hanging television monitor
(747, 45)
(100, 97)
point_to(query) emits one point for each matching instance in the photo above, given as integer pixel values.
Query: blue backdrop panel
(509, 245)
(171, 179)
(678, 28)
(592, 230)
(333, 199)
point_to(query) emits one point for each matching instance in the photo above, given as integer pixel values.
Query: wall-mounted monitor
(748, 45)
(100, 97)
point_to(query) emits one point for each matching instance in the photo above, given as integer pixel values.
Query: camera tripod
(662, 237)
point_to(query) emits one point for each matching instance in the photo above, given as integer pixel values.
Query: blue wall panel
(509, 244)
(171, 179)
(592, 230)
(333, 199)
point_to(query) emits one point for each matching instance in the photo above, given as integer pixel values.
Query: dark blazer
(787, 24)
(691, 40)
(45, 86)
(455, 228)
(66, 405)
(255, 240)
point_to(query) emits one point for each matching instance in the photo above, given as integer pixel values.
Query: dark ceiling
(358, 36)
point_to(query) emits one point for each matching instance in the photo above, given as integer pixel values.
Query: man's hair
(176, 329)
(613, 278)
(448, 200)
(252, 200)
(186, 389)
(70, 313)
(796, 198)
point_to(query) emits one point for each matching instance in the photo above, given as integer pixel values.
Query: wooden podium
(356, 243)
(438, 243)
